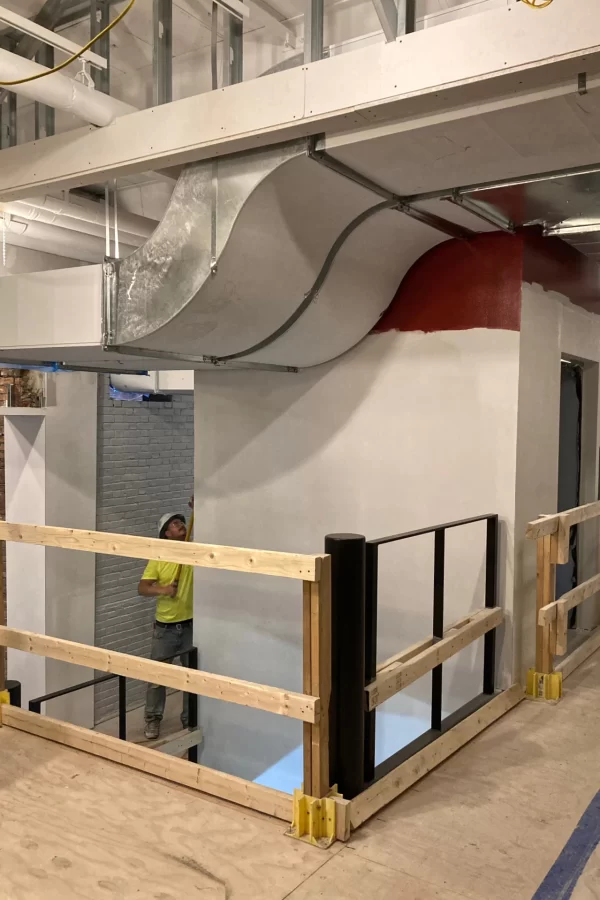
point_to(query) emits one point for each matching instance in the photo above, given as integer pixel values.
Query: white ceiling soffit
(480, 68)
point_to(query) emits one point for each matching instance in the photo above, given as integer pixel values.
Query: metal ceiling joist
(47, 36)
(397, 17)
(261, 12)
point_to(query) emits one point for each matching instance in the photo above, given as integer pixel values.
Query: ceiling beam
(346, 93)
(47, 36)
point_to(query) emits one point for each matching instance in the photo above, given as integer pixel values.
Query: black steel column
(192, 662)
(372, 575)
(347, 710)
(122, 707)
(491, 600)
(14, 692)
(438, 625)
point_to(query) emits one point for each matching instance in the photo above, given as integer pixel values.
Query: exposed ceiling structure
(414, 165)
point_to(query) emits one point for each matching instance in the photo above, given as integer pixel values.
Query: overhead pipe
(88, 211)
(60, 91)
(56, 241)
(23, 210)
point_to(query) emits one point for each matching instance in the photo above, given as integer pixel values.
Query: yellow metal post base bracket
(542, 686)
(314, 819)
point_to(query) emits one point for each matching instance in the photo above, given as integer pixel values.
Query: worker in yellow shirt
(173, 628)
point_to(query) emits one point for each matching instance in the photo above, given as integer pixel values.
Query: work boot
(152, 729)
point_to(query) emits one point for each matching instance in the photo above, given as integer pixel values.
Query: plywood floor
(487, 825)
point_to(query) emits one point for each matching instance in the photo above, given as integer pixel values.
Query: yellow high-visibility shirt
(181, 606)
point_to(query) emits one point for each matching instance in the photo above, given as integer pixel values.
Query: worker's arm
(147, 588)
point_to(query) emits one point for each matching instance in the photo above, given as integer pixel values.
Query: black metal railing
(191, 660)
(355, 586)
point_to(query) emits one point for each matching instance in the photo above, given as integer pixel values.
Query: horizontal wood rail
(210, 556)
(556, 613)
(561, 524)
(192, 775)
(219, 687)
(402, 670)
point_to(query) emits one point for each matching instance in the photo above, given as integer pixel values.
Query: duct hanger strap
(217, 362)
(395, 201)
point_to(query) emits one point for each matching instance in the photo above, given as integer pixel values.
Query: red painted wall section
(460, 285)
(559, 267)
(477, 283)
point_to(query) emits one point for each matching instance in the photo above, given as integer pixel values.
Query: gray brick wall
(145, 468)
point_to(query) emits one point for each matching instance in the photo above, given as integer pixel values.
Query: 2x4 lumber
(2, 618)
(545, 593)
(404, 655)
(320, 660)
(200, 778)
(306, 684)
(400, 779)
(555, 613)
(562, 523)
(210, 556)
(575, 659)
(218, 687)
(541, 527)
(401, 674)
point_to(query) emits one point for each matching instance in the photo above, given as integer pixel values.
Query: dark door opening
(569, 467)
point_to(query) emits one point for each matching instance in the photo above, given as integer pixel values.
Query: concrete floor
(486, 825)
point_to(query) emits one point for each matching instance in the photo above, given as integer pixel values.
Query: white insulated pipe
(93, 213)
(23, 210)
(57, 241)
(60, 91)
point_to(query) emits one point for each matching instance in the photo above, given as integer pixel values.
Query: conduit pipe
(61, 92)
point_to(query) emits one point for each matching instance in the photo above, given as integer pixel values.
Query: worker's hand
(169, 590)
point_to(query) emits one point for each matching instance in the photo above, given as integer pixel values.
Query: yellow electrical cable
(533, 5)
(75, 56)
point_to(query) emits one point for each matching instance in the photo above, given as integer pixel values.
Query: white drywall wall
(25, 473)
(406, 430)
(551, 326)
(71, 450)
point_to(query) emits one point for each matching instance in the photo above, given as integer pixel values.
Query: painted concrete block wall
(145, 468)
(406, 430)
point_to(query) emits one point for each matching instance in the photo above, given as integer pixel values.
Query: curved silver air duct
(265, 258)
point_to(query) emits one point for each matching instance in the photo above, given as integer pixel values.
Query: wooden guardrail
(552, 534)
(310, 707)
(400, 671)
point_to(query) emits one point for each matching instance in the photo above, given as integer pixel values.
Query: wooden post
(545, 594)
(3, 651)
(317, 598)
(307, 682)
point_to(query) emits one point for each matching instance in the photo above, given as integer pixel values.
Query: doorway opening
(569, 468)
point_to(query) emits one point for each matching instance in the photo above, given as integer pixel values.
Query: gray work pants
(167, 643)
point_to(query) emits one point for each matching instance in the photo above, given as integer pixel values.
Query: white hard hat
(166, 520)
